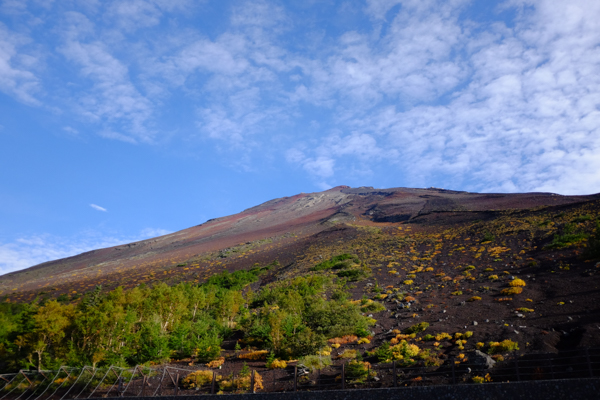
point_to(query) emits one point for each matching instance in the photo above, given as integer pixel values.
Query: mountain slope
(279, 229)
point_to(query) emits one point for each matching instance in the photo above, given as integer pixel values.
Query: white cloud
(96, 207)
(524, 110)
(25, 252)
(16, 76)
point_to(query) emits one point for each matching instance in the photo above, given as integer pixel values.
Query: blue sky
(122, 120)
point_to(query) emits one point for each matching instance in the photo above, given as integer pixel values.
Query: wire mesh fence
(141, 381)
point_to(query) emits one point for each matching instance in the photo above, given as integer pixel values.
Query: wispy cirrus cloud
(500, 96)
(17, 76)
(97, 207)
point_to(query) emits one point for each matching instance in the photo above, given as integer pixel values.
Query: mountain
(282, 229)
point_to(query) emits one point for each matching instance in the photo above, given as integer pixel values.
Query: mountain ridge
(275, 221)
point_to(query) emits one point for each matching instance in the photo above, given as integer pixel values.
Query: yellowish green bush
(277, 364)
(525, 310)
(482, 379)
(474, 298)
(517, 283)
(315, 362)
(364, 341)
(493, 277)
(503, 346)
(348, 354)
(197, 379)
(512, 290)
(408, 282)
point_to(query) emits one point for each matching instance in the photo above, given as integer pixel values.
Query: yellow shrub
(216, 363)
(493, 277)
(441, 336)
(512, 290)
(364, 341)
(408, 282)
(428, 269)
(479, 345)
(197, 379)
(524, 309)
(326, 351)
(446, 279)
(474, 298)
(335, 345)
(277, 363)
(254, 355)
(516, 283)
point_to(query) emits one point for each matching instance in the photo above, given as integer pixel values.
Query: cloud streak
(97, 207)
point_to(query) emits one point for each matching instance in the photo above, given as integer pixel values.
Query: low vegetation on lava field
(515, 281)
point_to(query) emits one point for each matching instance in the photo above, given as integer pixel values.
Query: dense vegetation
(146, 325)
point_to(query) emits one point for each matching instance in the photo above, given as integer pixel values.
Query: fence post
(517, 369)
(295, 378)
(395, 374)
(120, 386)
(252, 381)
(214, 381)
(453, 372)
(589, 362)
(343, 376)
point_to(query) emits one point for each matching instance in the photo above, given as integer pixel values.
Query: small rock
(487, 320)
(517, 332)
(370, 315)
(376, 379)
(443, 311)
(474, 323)
(570, 318)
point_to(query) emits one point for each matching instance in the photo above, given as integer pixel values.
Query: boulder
(481, 360)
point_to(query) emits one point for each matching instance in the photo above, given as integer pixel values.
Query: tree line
(150, 325)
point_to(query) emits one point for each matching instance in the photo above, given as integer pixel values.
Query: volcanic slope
(299, 231)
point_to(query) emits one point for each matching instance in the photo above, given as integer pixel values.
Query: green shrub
(582, 218)
(357, 371)
(314, 362)
(336, 262)
(592, 250)
(420, 327)
(502, 347)
(351, 274)
(568, 238)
